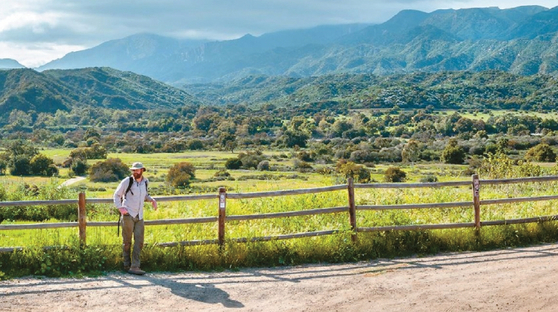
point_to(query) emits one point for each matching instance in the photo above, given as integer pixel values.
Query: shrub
(3, 166)
(395, 174)
(302, 166)
(233, 163)
(325, 170)
(43, 166)
(541, 152)
(195, 144)
(79, 167)
(181, 174)
(429, 178)
(21, 166)
(110, 170)
(306, 156)
(263, 165)
(222, 173)
(351, 170)
(453, 153)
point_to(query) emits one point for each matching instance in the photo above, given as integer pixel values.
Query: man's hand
(154, 203)
(123, 211)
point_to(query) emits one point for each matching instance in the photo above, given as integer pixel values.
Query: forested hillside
(34, 92)
(443, 90)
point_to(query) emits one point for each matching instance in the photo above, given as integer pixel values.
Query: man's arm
(149, 198)
(119, 194)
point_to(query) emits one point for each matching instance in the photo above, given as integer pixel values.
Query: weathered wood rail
(351, 209)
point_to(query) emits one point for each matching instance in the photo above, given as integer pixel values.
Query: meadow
(102, 252)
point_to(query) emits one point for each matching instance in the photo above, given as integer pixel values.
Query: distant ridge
(10, 64)
(520, 40)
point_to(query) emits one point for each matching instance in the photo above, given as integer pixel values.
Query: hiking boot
(126, 268)
(136, 271)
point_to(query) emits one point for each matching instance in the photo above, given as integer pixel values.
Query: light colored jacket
(134, 200)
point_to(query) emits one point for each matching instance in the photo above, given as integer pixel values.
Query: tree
(227, 141)
(453, 153)
(110, 170)
(92, 133)
(21, 165)
(295, 138)
(541, 152)
(411, 151)
(3, 166)
(233, 163)
(43, 166)
(181, 174)
(79, 166)
(194, 144)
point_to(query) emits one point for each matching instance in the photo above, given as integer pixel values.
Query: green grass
(103, 245)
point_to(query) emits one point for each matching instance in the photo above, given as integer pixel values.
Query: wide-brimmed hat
(137, 165)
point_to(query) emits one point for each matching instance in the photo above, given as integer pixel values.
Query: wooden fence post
(352, 208)
(82, 221)
(476, 200)
(222, 215)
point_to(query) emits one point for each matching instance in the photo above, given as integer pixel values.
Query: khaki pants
(132, 225)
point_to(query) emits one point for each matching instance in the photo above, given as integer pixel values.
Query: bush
(541, 152)
(395, 174)
(79, 167)
(3, 166)
(110, 170)
(302, 166)
(351, 170)
(453, 154)
(263, 165)
(429, 178)
(250, 160)
(222, 173)
(21, 166)
(233, 163)
(181, 174)
(195, 144)
(43, 166)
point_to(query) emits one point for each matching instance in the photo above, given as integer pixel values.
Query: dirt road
(521, 279)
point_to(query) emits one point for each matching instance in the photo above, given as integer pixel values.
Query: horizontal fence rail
(222, 218)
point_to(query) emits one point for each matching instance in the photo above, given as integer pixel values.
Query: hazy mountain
(52, 90)
(520, 40)
(10, 64)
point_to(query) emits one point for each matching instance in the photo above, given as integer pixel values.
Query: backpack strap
(129, 188)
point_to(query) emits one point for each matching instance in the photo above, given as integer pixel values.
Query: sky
(35, 32)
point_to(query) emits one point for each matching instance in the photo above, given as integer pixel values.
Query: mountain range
(95, 88)
(521, 40)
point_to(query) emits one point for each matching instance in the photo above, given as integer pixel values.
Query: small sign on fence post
(222, 215)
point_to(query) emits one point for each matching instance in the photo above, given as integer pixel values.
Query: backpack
(129, 189)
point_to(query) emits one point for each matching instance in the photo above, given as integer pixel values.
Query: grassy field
(330, 248)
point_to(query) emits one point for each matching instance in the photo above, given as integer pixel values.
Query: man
(129, 198)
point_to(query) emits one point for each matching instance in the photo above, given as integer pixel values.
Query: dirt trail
(72, 181)
(521, 279)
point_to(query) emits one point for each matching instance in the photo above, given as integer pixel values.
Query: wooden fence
(351, 209)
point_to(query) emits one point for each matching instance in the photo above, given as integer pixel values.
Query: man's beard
(137, 175)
